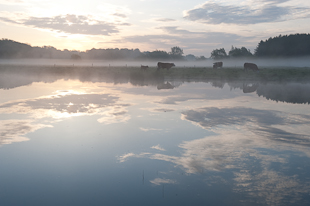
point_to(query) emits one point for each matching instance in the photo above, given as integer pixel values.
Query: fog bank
(261, 62)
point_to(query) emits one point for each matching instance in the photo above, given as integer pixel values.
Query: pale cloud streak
(263, 11)
(149, 129)
(191, 41)
(70, 23)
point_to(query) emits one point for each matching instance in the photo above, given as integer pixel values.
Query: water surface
(89, 139)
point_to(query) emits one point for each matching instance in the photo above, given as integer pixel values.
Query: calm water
(85, 139)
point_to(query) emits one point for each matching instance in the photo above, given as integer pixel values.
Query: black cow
(167, 66)
(217, 65)
(144, 67)
(251, 66)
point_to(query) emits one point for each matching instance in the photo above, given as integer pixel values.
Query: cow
(167, 66)
(251, 66)
(217, 65)
(144, 67)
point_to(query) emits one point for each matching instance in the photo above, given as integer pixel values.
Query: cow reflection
(249, 88)
(165, 86)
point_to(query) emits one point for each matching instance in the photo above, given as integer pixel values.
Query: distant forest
(280, 46)
(284, 46)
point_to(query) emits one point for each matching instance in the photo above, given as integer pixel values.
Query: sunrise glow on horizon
(198, 27)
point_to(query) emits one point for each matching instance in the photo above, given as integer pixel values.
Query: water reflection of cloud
(243, 137)
(158, 147)
(114, 115)
(124, 157)
(160, 181)
(277, 189)
(62, 106)
(260, 122)
(15, 130)
(75, 103)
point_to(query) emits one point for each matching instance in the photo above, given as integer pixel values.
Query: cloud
(269, 11)
(70, 23)
(120, 15)
(12, 2)
(165, 20)
(195, 42)
(163, 110)
(149, 129)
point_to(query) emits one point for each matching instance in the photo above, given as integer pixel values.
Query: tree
(201, 58)
(218, 53)
(239, 52)
(285, 46)
(176, 52)
(158, 54)
(190, 57)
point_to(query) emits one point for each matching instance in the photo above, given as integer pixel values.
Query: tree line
(280, 46)
(11, 49)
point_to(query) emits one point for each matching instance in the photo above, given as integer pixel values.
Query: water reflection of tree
(16, 76)
(292, 92)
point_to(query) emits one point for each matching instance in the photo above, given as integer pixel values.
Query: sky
(196, 26)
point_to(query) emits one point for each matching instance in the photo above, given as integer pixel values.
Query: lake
(87, 137)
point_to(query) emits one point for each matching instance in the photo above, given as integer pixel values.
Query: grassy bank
(151, 74)
(265, 74)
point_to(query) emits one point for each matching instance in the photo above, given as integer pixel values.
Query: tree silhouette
(239, 52)
(218, 53)
(292, 45)
(176, 52)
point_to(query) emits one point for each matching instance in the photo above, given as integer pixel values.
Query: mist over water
(117, 136)
(261, 62)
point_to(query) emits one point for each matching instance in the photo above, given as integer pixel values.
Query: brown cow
(251, 66)
(167, 66)
(144, 67)
(217, 65)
